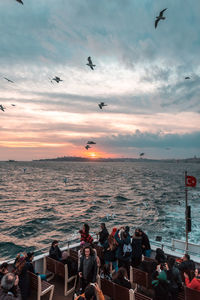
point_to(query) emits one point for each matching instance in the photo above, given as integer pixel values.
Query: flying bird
(57, 79)
(8, 80)
(91, 143)
(87, 147)
(141, 154)
(2, 108)
(13, 104)
(90, 64)
(102, 104)
(160, 17)
(187, 77)
(20, 1)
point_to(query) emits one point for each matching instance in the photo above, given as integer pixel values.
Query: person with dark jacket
(30, 267)
(121, 278)
(55, 251)
(9, 287)
(110, 247)
(187, 264)
(88, 268)
(160, 256)
(103, 234)
(174, 278)
(136, 249)
(124, 259)
(145, 243)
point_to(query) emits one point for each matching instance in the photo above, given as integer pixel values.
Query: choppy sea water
(37, 206)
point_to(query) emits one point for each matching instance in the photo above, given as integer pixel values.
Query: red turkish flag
(190, 181)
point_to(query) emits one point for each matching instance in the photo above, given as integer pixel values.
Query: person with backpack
(124, 250)
(90, 293)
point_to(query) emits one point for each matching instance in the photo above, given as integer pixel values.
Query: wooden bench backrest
(33, 279)
(51, 264)
(150, 259)
(142, 278)
(60, 269)
(120, 292)
(191, 294)
(139, 296)
(107, 288)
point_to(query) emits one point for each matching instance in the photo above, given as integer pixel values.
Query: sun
(93, 155)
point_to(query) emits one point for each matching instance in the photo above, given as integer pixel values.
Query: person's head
(171, 262)
(186, 257)
(127, 228)
(106, 269)
(54, 243)
(121, 273)
(65, 255)
(140, 231)
(86, 228)
(137, 233)
(197, 273)
(30, 256)
(4, 268)
(124, 235)
(8, 281)
(103, 226)
(90, 292)
(113, 231)
(87, 251)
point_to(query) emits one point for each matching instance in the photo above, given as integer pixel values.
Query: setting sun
(93, 155)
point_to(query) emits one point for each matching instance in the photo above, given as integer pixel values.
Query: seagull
(87, 147)
(141, 154)
(57, 79)
(187, 77)
(13, 104)
(8, 80)
(90, 64)
(91, 143)
(160, 17)
(20, 1)
(2, 108)
(101, 105)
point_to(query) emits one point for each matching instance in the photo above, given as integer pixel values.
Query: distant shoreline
(84, 159)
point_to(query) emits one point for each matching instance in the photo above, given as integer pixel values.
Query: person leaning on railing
(90, 293)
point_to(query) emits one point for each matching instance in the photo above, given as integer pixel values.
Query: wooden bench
(60, 269)
(139, 296)
(191, 294)
(140, 278)
(40, 286)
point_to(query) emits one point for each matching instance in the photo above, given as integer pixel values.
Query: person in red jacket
(195, 282)
(85, 236)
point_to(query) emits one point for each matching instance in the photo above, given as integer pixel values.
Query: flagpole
(186, 214)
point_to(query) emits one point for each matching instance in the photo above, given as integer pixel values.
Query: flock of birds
(92, 66)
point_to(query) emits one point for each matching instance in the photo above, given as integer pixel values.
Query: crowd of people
(120, 250)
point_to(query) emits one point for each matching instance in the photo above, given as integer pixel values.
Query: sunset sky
(140, 74)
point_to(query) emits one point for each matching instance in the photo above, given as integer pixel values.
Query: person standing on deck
(145, 243)
(136, 249)
(85, 236)
(103, 234)
(88, 268)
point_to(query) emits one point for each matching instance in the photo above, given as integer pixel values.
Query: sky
(140, 74)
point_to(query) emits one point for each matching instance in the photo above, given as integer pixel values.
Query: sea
(45, 200)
